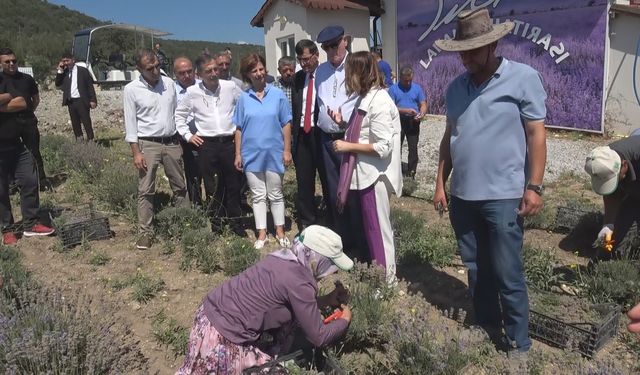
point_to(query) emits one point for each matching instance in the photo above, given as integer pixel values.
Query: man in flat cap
(614, 172)
(495, 148)
(332, 96)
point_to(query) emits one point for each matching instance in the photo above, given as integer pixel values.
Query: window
(287, 46)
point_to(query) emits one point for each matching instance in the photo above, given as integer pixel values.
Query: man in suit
(306, 154)
(78, 94)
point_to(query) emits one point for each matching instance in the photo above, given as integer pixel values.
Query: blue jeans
(489, 235)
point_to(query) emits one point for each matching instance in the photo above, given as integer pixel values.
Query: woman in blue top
(263, 145)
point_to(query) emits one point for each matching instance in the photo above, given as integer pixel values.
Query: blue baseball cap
(330, 33)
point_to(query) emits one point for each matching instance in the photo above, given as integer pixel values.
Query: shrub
(52, 149)
(238, 254)
(145, 287)
(371, 312)
(99, 259)
(86, 159)
(169, 333)
(538, 267)
(12, 272)
(409, 186)
(117, 188)
(196, 247)
(613, 281)
(290, 195)
(42, 332)
(545, 219)
(172, 222)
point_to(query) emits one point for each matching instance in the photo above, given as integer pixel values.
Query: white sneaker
(284, 242)
(259, 244)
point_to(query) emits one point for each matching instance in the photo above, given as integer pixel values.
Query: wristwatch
(538, 189)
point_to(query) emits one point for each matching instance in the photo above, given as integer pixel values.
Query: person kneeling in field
(276, 295)
(614, 171)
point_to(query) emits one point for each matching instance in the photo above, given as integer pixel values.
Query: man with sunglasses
(185, 78)
(332, 97)
(150, 129)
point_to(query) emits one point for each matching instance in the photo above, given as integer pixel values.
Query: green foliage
(53, 148)
(538, 267)
(172, 222)
(197, 246)
(168, 332)
(86, 159)
(290, 194)
(409, 186)
(615, 281)
(416, 243)
(117, 189)
(238, 254)
(145, 287)
(99, 259)
(545, 219)
(12, 272)
(371, 312)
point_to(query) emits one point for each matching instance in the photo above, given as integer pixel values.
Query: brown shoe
(144, 242)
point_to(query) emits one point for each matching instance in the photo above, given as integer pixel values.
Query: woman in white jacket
(371, 160)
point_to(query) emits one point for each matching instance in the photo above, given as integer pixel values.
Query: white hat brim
(343, 262)
(499, 31)
(604, 187)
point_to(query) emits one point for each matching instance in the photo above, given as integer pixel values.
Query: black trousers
(80, 115)
(216, 158)
(192, 173)
(16, 160)
(410, 130)
(31, 139)
(308, 160)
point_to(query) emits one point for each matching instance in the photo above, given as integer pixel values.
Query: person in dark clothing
(614, 172)
(78, 95)
(16, 161)
(162, 58)
(25, 86)
(276, 295)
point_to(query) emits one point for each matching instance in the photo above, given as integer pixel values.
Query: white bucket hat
(326, 242)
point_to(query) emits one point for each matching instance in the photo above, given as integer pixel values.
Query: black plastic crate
(585, 338)
(302, 358)
(82, 225)
(569, 218)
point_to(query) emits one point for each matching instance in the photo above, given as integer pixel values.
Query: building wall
(389, 22)
(622, 111)
(302, 23)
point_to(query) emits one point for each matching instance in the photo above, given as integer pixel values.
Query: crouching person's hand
(346, 313)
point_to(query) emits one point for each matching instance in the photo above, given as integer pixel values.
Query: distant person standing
(412, 105)
(385, 68)
(78, 95)
(25, 86)
(286, 68)
(224, 71)
(185, 78)
(162, 58)
(211, 103)
(332, 97)
(494, 147)
(16, 162)
(149, 110)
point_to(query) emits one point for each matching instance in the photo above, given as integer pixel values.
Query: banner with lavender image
(564, 40)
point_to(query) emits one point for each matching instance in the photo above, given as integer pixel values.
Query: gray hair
(286, 60)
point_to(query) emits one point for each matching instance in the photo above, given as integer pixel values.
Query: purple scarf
(349, 159)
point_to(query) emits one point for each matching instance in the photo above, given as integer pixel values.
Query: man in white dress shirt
(149, 110)
(212, 102)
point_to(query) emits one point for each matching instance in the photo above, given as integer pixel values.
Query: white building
(285, 22)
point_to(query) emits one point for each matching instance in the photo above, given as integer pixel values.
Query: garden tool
(337, 314)
(608, 242)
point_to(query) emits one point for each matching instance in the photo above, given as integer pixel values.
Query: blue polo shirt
(407, 97)
(488, 141)
(386, 70)
(261, 125)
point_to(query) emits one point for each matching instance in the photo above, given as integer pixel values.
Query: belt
(170, 140)
(219, 139)
(335, 136)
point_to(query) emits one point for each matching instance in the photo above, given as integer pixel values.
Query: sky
(208, 20)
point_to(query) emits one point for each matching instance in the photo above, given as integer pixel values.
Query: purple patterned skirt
(210, 353)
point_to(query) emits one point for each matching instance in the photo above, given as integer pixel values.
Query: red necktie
(307, 108)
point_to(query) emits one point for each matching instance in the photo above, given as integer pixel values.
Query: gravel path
(564, 154)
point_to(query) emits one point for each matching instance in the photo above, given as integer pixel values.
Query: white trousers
(265, 185)
(383, 209)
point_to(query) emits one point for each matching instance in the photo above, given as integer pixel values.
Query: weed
(238, 254)
(612, 281)
(145, 287)
(168, 332)
(172, 222)
(196, 247)
(539, 267)
(99, 259)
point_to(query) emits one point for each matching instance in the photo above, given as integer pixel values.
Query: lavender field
(574, 85)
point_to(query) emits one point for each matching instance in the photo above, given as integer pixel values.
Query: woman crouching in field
(276, 295)
(371, 162)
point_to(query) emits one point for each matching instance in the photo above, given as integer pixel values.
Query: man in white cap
(614, 173)
(495, 148)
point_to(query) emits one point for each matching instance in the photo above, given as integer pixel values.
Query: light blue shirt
(407, 97)
(488, 141)
(180, 93)
(261, 124)
(332, 93)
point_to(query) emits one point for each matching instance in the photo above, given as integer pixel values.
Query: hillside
(39, 32)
